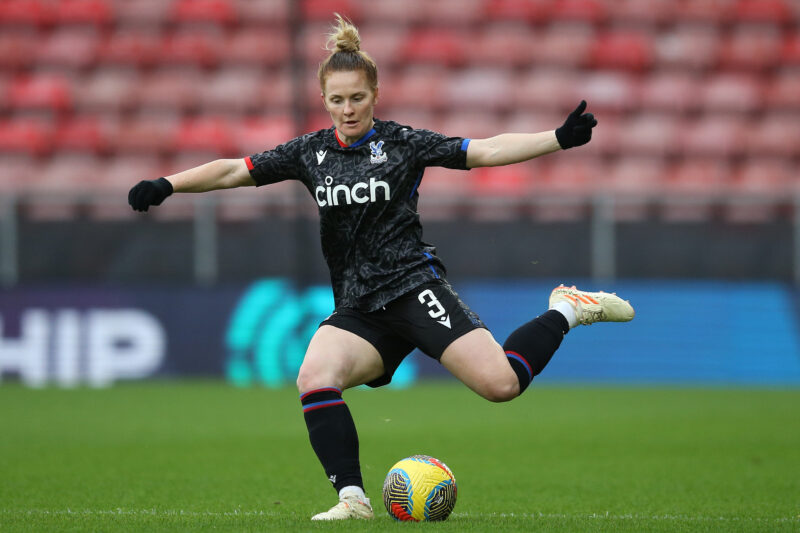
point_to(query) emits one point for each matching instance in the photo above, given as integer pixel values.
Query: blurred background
(686, 200)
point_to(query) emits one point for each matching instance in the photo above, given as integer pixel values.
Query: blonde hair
(346, 55)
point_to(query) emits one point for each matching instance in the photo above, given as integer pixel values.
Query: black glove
(149, 192)
(577, 129)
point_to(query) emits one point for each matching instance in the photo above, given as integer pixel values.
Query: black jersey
(367, 196)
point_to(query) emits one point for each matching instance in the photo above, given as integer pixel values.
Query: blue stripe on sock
(514, 355)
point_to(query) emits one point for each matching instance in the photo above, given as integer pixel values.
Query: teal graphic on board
(270, 328)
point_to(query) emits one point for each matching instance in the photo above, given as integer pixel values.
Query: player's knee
(501, 390)
(309, 379)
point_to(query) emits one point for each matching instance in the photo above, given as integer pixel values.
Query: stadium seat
(84, 133)
(476, 123)
(455, 12)
(713, 135)
(111, 90)
(752, 47)
(503, 191)
(775, 133)
(771, 11)
(256, 48)
(171, 88)
(565, 184)
(193, 46)
(783, 90)
(96, 12)
(18, 48)
(693, 187)
(61, 186)
(790, 51)
(563, 45)
(70, 47)
(533, 121)
(650, 133)
(214, 11)
(236, 89)
(144, 13)
(548, 89)
(593, 11)
(674, 91)
(517, 10)
(644, 14)
(274, 13)
(608, 138)
(733, 92)
(505, 44)
(323, 10)
(257, 134)
(438, 46)
(384, 43)
(19, 170)
(392, 12)
(23, 13)
(706, 11)
(486, 88)
(693, 46)
(26, 135)
(636, 183)
(148, 133)
(41, 91)
(312, 41)
(420, 86)
(629, 50)
(114, 178)
(760, 185)
(132, 46)
(606, 90)
(205, 134)
(445, 193)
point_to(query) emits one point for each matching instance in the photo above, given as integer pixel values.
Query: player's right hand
(149, 192)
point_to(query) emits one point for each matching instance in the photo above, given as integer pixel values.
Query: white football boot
(348, 507)
(591, 307)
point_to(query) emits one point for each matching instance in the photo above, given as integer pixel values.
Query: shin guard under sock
(530, 347)
(333, 436)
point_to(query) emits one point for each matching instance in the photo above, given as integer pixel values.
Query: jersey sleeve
(436, 150)
(281, 163)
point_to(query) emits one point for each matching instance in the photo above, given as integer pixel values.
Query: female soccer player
(389, 287)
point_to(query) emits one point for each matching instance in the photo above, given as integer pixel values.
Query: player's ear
(324, 102)
(375, 96)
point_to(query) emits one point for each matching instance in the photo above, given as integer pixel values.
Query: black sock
(530, 347)
(333, 436)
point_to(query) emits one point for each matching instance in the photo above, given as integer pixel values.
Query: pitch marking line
(238, 512)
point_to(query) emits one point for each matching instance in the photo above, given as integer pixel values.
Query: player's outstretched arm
(509, 148)
(219, 174)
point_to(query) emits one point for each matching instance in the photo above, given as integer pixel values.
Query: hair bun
(344, 36)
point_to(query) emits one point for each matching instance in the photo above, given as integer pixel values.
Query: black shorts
(429, 317)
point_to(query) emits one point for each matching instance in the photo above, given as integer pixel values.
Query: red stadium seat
(436, 46)
(614, 91)
(503, 191)
(630, 50)
(473, 123)
(455, 12)
(257, 134)
(647, 133)
(263, 12)
(114, 178)
(760, 184)
(783, 91)
(384, 43)
(635, 183)
(169, 88)
(26, 135)
(206, 134)
(132, 46)
(565, 44)
(215, 11)
(400, 14)
(593, 11)
(257, 48)
(714, 135)
(548, 89)
(517, 10)
(110, 90)
(507, 44)
(22, 13)
(69, 173)
(673, 91)
(17, 48)
(694, 46)
(421, 86)
(84, 133)
(652, 12)
(149, 133)
(19, 170)
(772, 11)
(790, 51)
(193, 46)
(752, 47)
(693, 186)
(41, 91)
(776, 133)
(72, 47)
(732, 92)
(486, 88)
(567, 183)
(97, 12)
(237, 90)
(706, 11)
(147, 13)
(323, 10)
(313, 38)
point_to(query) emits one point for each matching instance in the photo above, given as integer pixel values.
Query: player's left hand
(149, 192)
(577, 129)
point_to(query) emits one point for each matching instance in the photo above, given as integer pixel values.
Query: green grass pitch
(198, 456)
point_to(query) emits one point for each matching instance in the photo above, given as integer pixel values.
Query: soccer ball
(419, 488)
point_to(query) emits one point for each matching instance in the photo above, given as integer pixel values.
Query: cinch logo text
(360, 193)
